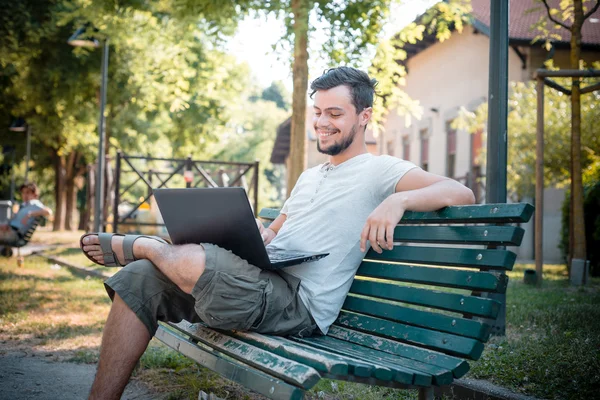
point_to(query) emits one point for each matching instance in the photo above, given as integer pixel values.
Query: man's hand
(266, 233)
(379, 228)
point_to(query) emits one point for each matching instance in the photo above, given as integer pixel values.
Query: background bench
(412, 319)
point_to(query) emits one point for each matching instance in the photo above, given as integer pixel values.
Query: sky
(256, 37)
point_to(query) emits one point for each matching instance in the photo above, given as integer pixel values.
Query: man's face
(335, 121)
(27, 195)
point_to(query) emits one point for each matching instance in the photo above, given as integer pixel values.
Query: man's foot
(115, 250)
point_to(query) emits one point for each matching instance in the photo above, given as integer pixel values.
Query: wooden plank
(458, 366)
(445, 277)
(319, 360)
(458, 326)
(471, 258)
(424, 374)
(477, 213)
(479, 235)
(459, 303)
(243, 374)
(288, 370)
(445, 342)
(269, 213)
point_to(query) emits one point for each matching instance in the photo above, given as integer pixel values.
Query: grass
(551, 347)
(552, 343)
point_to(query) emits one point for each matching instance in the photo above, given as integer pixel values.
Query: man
(23, 220)
(339, 207)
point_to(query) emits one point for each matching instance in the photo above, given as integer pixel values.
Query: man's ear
(365, 116)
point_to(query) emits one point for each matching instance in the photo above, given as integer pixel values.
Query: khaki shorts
(230, 294)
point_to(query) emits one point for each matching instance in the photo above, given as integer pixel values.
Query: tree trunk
(59, 213)
(300, 8)
(85, 219)
(70, 192)
(577, 218)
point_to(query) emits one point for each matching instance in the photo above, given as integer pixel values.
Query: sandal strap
(128, 245)
(110, 258)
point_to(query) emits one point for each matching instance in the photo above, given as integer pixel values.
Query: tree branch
(557, 22)
(593, 10)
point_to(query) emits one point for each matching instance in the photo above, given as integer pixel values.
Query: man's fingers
(363, 237)
(381, 237)
(390, 236)
(373, 240)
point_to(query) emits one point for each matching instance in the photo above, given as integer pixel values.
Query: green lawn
(551, 349)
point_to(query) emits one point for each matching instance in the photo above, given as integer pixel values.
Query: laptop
(222, 216)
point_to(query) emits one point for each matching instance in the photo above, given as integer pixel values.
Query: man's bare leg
(183, 265)
(124, 340)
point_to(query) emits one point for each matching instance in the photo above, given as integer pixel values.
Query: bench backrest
(27, 236)
(430, 290)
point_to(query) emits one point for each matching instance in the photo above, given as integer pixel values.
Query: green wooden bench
(22, 241)
(412, 319)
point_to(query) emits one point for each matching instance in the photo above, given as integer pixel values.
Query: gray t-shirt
(326, 212)
(15, 222)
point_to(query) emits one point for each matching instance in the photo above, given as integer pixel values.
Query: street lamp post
(78, 39)
(19, 125)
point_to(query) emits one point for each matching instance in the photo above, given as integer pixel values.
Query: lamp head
(18, 125)
(80, 39)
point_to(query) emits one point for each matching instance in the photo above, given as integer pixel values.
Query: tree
(574, 12)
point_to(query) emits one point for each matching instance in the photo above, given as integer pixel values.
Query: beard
(337, 147)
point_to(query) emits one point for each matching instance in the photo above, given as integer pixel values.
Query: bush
(591, 212)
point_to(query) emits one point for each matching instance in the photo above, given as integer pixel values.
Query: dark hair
(31, 187)
(362, 88)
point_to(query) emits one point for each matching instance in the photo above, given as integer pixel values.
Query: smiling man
(341, 207)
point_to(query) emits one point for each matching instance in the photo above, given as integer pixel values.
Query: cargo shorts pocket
(232, 302)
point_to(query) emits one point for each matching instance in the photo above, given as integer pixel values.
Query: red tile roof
(521, 20)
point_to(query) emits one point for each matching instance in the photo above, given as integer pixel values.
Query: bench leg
(426, 393)
(20, 259)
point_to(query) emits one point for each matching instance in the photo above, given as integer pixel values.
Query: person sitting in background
(23, 220)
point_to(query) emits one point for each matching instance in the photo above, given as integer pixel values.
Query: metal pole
(539, 182)
(28, 151)
(98, 211)
(497, 125)
(117, 189)
(498, 103)
(256, 170)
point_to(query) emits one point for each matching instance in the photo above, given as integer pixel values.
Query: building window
(406, 147)
(424, 135)
(450, 150)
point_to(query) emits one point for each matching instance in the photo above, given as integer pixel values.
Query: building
(446, 76)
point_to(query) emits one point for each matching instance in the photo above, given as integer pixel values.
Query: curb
(75, 269)
(475, 389)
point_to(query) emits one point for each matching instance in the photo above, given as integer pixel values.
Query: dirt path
(27, 375)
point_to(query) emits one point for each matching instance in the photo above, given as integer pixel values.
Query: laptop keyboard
(276, 254)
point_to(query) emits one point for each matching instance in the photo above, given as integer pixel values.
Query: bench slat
(439, 322)
(470, 258)
(424, 374)
(229, 369)
(458, 366)
(459, 303)
(446, 342)
(321, 361)
(452, 278)
(400, 374)
(483, 235)
(290, 371)
(477, 213)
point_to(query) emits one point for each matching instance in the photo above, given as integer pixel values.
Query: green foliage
(278, 94)
(522, 135)
(591, 212)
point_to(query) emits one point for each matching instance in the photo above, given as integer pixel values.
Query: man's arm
(418, 190)
(43, 212)
(269, 233)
